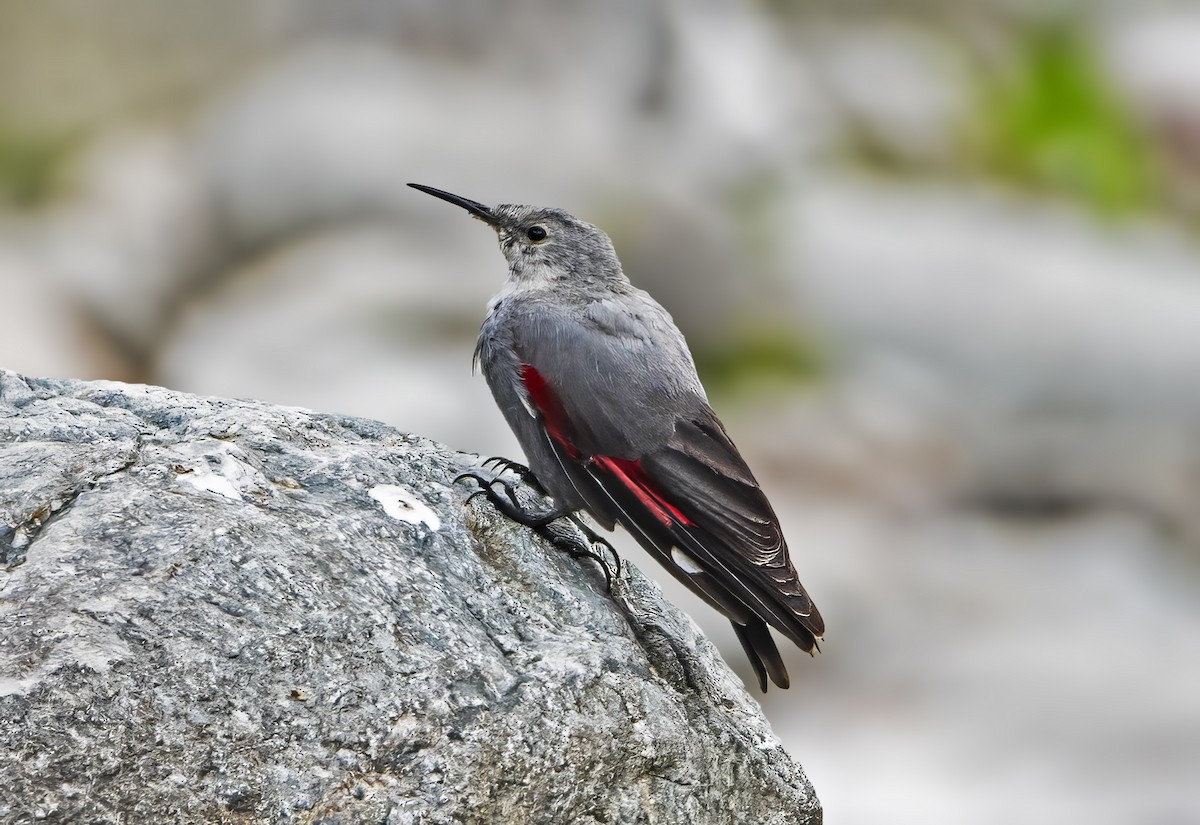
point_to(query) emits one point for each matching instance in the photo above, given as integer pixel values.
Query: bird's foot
(570, 535)
(562, 528)
(506, 465)
(507, 502)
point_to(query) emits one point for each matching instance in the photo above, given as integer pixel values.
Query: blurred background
(939, 263)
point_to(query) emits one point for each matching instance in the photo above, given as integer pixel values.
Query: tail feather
(722, 588)
(763, 654)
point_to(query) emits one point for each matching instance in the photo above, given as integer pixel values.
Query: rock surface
(216, 610)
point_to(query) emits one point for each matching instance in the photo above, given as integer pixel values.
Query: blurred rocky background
(939, 264)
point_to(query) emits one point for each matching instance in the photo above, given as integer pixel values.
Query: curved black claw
(507, 502)
(506, 465)
(594, 539)
(578, 541)
(476, 494)
(482, 480)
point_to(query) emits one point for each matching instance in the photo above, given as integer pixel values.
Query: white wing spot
(525, 402)
(402, 505)
(685, 562)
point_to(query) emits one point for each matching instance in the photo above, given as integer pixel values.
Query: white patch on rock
(209, 482)
(402, 505)
(218, 468)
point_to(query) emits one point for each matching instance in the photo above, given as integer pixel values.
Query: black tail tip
(763, 654)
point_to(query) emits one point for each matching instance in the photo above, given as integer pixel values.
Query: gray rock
(135, 237)
(43, 332)
(1150, 51)
(225, 610)
(1052, 355)
(914, 117)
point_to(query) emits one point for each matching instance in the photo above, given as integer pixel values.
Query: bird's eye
(536, 233)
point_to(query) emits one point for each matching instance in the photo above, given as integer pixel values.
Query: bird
(601, 392)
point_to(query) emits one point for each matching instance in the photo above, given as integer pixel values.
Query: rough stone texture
(216, 610)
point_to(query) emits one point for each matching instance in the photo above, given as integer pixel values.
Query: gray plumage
(598, 385)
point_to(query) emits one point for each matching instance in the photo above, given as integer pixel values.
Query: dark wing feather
(733, 523)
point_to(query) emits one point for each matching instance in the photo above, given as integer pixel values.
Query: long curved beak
(474, 207)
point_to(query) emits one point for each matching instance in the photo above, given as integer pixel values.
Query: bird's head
(544, 245)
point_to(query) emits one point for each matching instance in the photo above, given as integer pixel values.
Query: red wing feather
(630, 473)
(554, 418)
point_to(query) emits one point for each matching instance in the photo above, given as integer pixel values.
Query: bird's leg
(570, 535)
(561, 527)
(593, 540)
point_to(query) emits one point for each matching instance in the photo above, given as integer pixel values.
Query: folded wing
(647, 451)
